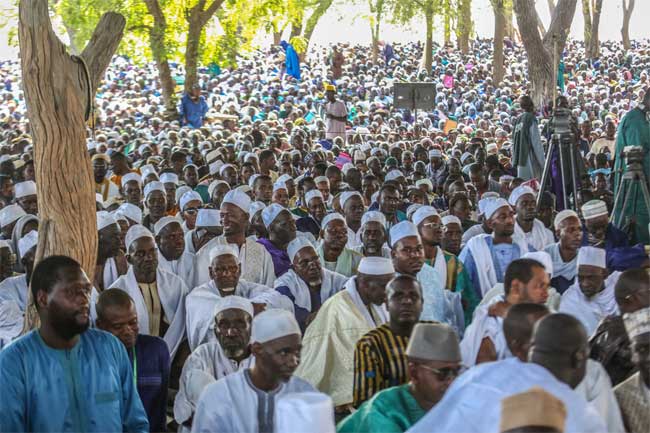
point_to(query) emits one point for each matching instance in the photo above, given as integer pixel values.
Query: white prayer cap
(411, 210)
(426, 182)
(493, 205)
(10, 213)
(131, 177)
(23, 189)
(301, 412)
(518, 192)
(393, 174)
(27, 242)
(188, 197)
(374, 197)
(359, 155)
(376, 266)
(542, 257)
(402, 230)
(270, 213)
(5, 244)
(223, 250)
(146, 170)
(233, 302)
(314, 193)
(332, 217)
(255, 207)
(208, 218)
(366, 147)
(637, 323)
(347, 167)
(482, 203)
(224, 167)
(154, 186)
(284, 178)
(296, 245)
(104, 219)
(423, 213)
(214, 184)
(279, 185)
(212, 155)
(435, 153)
(239, 199)
(490, 194)
(320, 179)
(273, 324)
(347, 195)
(562, 215)
(215, 167)
(375, 216)
(131, 211)
(169, 178)
(189, 166)
(164, 222)
(451, 219)
(244, 188)
(594, 209)
(119, 217)
(251, 180)
(592, 256)
(136, 232)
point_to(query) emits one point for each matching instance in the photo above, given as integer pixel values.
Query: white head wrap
(153, 186)
(279, 185)
(637, 323)
(188, 197)
(131, 177)
(296, 245)
(593, 209)
(435, 153)
(208, 218)
(376, 266)
(402, 230)
(332, 217)
(423, 213)
(215, 167)
(314, 193)
(518, 192)
(146, 170)
(239, 199)
(373, 216)
(233, 302)
(271, 212)
(592, 256)
(224, 167)
(347, 195)
(136, 232)
(562, 215)
(251, 180)
(10, 213)
(426, 182)
(254, 208)
(104, 219)
(494, 205)
(542, 257)
(27, 242)
(451, 219)
(346, 167)
(169, 178)
(214, 184)
(223, 250)
(164, 222)
(321, 179)
(284, 178)
(273, 324)
(23, 189)
(131, 211)
(394, 174)
(180, 191)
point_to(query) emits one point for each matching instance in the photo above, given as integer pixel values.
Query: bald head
(518, 327)
(632, 290)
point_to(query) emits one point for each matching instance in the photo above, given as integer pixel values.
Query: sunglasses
(191, 210)
(443, 373)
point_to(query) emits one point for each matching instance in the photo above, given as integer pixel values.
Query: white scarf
(440, 266)
(331, 283)
(380, 310)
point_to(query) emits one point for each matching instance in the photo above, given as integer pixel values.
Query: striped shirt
(379, 363)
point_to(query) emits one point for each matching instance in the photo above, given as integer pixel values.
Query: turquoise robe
(89, 388)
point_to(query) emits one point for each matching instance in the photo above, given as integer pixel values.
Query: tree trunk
(159, 53)
(628, 7)
(594, 42)
(509, 16)
(540, 50)
(464, 25)
(428, 45)
(310, 26)
(499, 33)
(586, 16)
(377, 11)
(277, 38)
(57, 95)
(551, 7)
(447, 23)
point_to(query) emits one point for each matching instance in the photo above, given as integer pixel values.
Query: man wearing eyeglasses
(433, 362)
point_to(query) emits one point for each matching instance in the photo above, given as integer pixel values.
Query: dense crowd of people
(296, 254)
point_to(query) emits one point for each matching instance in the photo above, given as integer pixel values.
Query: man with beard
(564, 253)
(244, 401)
(353, 210)
(373, 235)
(155, 200)
(84, 377)
(332, 251)
(316, 212)
(447, 265)
(103, 185)
(148, 355)
(281, 226)
(307, 284)
(172, 255)
(486, 257)
(598, 231)
(111, 261)
(527, 226)
(213, 360)
(452, 234)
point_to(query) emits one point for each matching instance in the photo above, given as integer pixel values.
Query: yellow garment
(103, 188)
(152, 301)
(327, 357)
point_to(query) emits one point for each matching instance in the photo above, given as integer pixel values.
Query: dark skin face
(190, 212)
(281, 197)
(570, 234)
(526, 208)
(641, 355)
(461, 209)
(324, 188)
(307, 265)
(373, 237)
(388, 201)
(6, 187)
(230, 176)
(225, 272)
(218, 194)
(372, 288)
(430, 380)
(170, 192)
(157, 204)
(277, 360)
(431, 230)
(122, 322)
(408, 255)
(246, 173)
(109, 241)
(283, 229)
(452, 236)
(597, 229)
(142, 256)
(317, 209)
(132, 192)
(191, 177)
(591, 279)
(171, 241)
(233, 219)
(263, 190)
(353, 211)
(233, 331)
(100, 168)
(335, 236)
(29, 203)
(7, 262)
(404, 304)
(502, 222)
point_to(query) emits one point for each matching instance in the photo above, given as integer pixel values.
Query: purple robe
(281, 262)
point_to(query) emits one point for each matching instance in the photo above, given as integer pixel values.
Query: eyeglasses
(191, 210)
(432, 226)
(443, 373)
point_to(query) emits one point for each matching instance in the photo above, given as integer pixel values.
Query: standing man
(64, 376)
(193, 108)
(527, 150)
(336, 114)
(148, 355)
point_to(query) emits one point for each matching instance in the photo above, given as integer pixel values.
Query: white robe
(234, 405)
(472, 404)
(15, 289)
(207, 364)
(591, 311)
(475, 230)
(484, 326)
(331, 284)
(552, 303)
(439, 304)
(11, 322)
(597, 389)
(189, 245)
(110, 274)
(172, 292)
(256, 262)
(201, 301)
(539, 237)
(182, 268)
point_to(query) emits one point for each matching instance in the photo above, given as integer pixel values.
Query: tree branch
(211, 10)
(102, 45)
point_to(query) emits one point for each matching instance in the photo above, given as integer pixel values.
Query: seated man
(380, 355)
(15, 288)
(282, 230)
(172, 255)
(225, 273)
(564, 253)
(372, 236)
(211, 361)
(433, 360)
(307, 284)
(353, 210)
(148, 355)
(527, 226)
(598, 231)
(452, 234)
(332, 251)
(316, 207)
(111, 261)
(534, 409)
(244, 401)
(591, 298)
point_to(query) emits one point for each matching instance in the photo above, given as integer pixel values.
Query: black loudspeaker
(414, 96)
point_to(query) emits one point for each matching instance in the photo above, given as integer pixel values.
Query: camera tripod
(564, 143)
(633, 176)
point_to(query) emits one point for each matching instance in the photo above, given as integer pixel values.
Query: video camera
(633, 155)
(560, 123)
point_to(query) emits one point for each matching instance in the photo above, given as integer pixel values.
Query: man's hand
(258, 308)
(499, 309)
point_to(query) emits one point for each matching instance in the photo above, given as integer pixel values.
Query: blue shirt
(614, 237)
(89, 388)
(192, 113)
(152, 361)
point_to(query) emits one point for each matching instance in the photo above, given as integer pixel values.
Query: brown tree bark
(499, 33)
(464, 25)
(510, 27)
(628, 7)
(57, 95)
(591, 12)
(586, 16)
(159, 52)
(428, 45)
(540, 50)
(310, 25)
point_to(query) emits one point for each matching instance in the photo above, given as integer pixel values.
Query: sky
(343, 23)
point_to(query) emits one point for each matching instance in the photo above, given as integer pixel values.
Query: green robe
(634, 130)
(393, 410)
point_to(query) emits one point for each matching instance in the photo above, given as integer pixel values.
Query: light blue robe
(89, 388)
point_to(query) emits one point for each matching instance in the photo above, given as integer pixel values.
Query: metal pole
(574, 172)
(546, 173)
(555, 65)
(565, 197)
